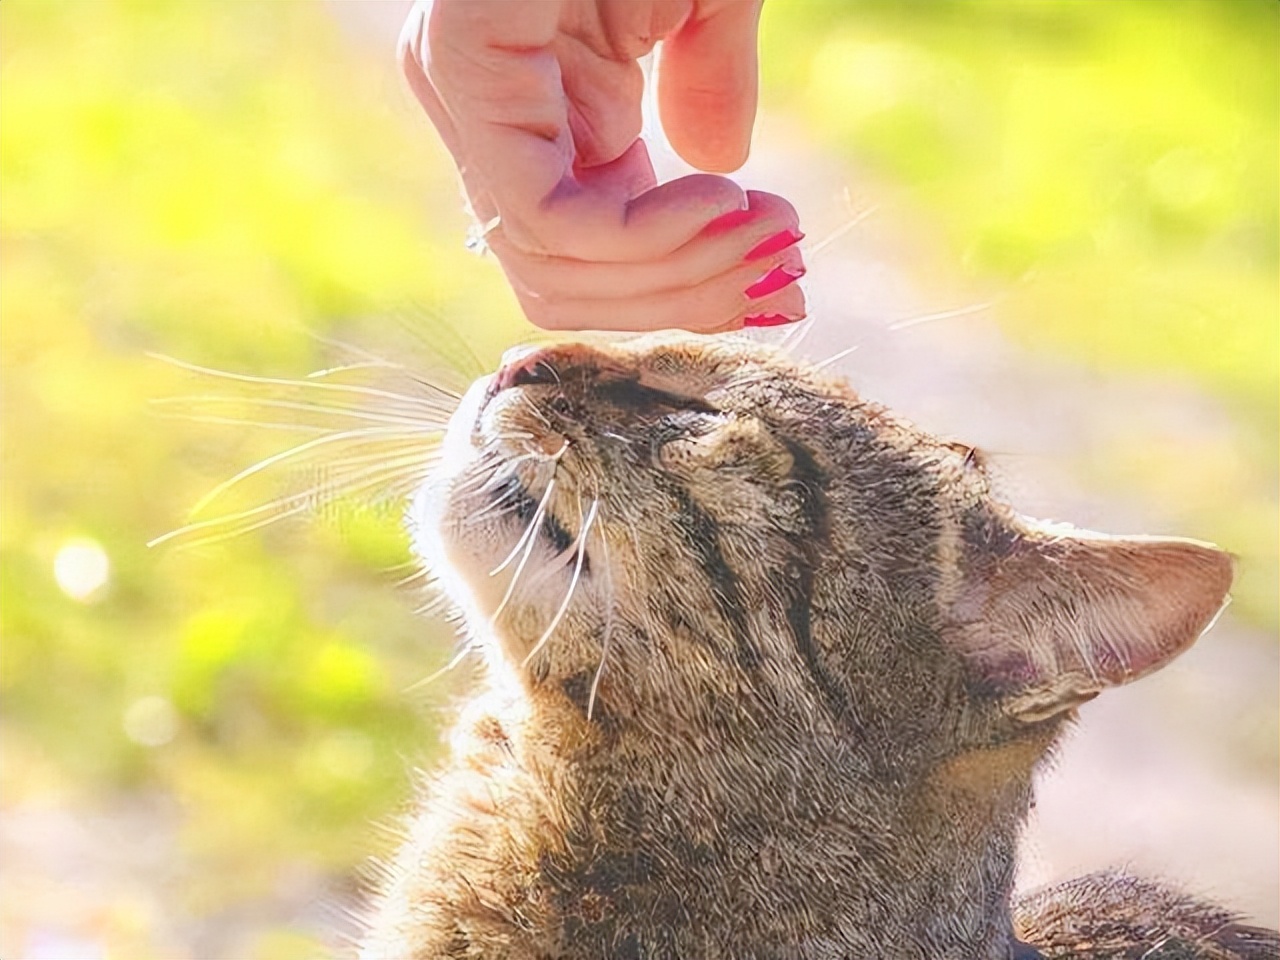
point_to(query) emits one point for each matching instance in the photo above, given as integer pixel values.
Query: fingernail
(773, 281)
(775, 244)
(769, 320)
(729, 221)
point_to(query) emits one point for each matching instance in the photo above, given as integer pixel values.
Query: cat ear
(1048, 616)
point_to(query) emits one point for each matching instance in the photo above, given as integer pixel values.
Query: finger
(411, 54)
(501, 86)
(768, 230)
(631, 28)
(491, 67)
(707, 84)
(598, 216)
(604, 101)
(492, 71)
(562, 283)
(414, 55)
(716, 305)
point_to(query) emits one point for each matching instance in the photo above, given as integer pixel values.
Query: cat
(769, 674)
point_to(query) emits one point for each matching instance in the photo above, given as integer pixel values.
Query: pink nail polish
(729, 221)
(774, 244)
(773, 281)
(769, 320)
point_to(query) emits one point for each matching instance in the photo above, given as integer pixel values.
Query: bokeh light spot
(82, 568)
(151, 721)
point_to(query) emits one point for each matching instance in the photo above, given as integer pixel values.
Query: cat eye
(634, 396)
(677, 439)
(531, 374)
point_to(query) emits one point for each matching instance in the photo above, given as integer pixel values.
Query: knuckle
(543, 313)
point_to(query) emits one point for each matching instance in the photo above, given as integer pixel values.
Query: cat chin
(464, 557)
(460, 570)
(456, 448)
(437, 513)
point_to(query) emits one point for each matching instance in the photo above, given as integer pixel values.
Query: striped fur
(758, 688)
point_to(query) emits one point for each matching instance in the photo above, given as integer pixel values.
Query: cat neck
(782, 845)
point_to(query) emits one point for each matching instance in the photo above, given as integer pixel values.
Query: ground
(228, 842)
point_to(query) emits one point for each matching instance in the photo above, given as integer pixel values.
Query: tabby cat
(769, 674)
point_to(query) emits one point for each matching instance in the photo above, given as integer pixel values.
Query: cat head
(705, 535)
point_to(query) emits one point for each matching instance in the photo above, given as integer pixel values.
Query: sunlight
(82, 569)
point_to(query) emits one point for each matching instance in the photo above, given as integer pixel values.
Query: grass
(222, 182)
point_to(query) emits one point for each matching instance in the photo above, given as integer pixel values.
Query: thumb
(707, 84)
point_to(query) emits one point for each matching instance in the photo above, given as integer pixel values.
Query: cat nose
(525, 366)
(565, 365)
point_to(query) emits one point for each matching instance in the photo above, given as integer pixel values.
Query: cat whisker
(388, 446)
(312, 420)
(398, 471)
(433, 606)
(481, 482)
(272, 511)
(508, 469)
(500, 507)
(411, 564)
(423, 574)
(241, 422)
(528, 532)
(835, 357)
(447, 668)
(748, 380)
(434, 423)
(555, 374)
(348, 367)
(796, 337)
(285, 382)
(607, 638)
(573, 583)
(896, 325)
(387, 472)
(399, 474)
(528, 551)
(346, 470)
(533, 407)
(354, 350)
(790, 334)
(813, 250)
(595, 679)
(943, 315)
(441, 330)
(285, 455)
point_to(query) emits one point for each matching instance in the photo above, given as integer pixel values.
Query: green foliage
(1130, 153)
(1110, 171)
(221, 182)
(217, 183)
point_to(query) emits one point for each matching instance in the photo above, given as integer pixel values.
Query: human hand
(539, 103)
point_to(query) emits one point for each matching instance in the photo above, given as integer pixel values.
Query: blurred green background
(218, 182)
